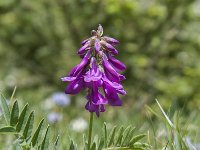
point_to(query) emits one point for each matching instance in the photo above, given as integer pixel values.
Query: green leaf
(29, 126)
(45, 142)
(56, 142)
(17, 146)
(142, 146)
(85, 142)
(22, 118)
(72, 146)
(36, 136)
(7, 129)
(136, 138)
(182, 142)
(126, 135)
(93, 146)
(119, 136)
(138, 148)
(111, 136)
(105, 135)
(14, 114)
(101, 143)
(96, 139)
(5, 109)
(130, 135)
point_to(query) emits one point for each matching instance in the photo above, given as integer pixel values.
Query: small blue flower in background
(61, 99)
(54, 117)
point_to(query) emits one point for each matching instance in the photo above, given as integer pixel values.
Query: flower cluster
(99, 72)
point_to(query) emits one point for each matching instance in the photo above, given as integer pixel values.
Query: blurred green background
(159, 43)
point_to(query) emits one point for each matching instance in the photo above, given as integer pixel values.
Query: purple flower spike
(98, 72)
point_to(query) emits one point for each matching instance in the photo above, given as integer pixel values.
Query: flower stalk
(90, 130)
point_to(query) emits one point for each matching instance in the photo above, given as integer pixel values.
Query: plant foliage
(175, 133)
(117, 139)
(20, 123)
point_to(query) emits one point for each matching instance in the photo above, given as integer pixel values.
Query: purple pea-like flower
(111, 40)
(109, 47)
(117, 65)
(98, 72)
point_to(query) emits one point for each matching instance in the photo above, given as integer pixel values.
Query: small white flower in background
(61, 99)
(47, 104)
(78, 125)
(54, 117)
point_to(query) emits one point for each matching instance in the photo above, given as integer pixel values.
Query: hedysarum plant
(98, 71)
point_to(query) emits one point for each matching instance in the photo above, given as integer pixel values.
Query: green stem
(90, 131)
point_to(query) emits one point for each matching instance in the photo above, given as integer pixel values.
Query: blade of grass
(166, 117)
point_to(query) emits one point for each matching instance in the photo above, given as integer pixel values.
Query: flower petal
(109, 47)
(68, 79)
(97, 45)
(85, 41)
(83, 49)
(110, 71)
(117, 86)
(96, 97)
(111, 95)
(118, 65)
(94, 74)
(75, 86)
(78, 68)
(94, 108)
(110, 40)
(100, 30)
